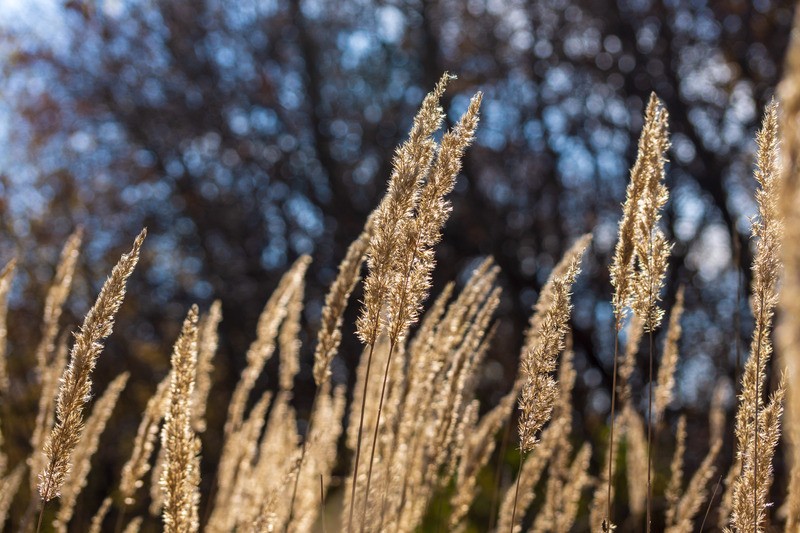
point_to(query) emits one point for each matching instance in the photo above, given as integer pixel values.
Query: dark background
(243, 134)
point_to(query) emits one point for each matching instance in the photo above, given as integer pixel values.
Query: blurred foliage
(243, 134)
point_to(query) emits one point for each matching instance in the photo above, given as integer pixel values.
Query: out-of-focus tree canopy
(243, 134)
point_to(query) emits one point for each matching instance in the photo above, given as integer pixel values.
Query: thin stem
(44, 502)
(650, 435)
(358, 442)
(302, 456)
(516, 491)
(41, 515)
(375, 434)
(496, 489)
(617, 325)
(649, 326)
(708, 509)
(757, 399)
(322, 502)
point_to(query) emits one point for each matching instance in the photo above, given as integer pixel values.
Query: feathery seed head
(76, 382)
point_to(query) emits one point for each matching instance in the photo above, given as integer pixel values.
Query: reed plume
(411, 163)
(55, 299)
(207, 342)
(330, 335)
(263, 347)
(757, 424)
(651, 253)
(236, 468)
(567, 497)
(539, 389)
(138, 464)
(636, 458)
(695, 495)
(181, 476)
(675, 486)
(477, 450)
(76, 382)
(631, 266)
(414, 261)
(665, 382)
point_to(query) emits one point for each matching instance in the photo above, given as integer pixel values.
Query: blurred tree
(246, 133)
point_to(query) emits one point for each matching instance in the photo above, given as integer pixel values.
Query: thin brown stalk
(498, 472)
(322, 502)
(710, 502)
(516, 494)
(358, 438)
(650, 436)
(609, 514)
(375, 435)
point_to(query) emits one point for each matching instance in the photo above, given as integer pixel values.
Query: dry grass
(425, 438)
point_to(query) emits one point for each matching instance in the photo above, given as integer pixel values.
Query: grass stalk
(650, 437)
(375, 433)
(617, 325)
(498, 468)
(755, 429)
(516, 492)
(302, 457)
(358, 440)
